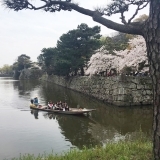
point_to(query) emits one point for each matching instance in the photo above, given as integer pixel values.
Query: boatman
(35, 101)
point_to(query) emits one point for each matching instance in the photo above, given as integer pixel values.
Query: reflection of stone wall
(118, 90)
(31, 74)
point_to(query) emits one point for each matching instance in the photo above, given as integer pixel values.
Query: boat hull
(72, 111)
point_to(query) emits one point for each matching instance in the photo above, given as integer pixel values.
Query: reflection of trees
(109, 119)
(125, 120)
(111, 122)
(76, 130)
(116, 123)
(25, 87)
(56, 93)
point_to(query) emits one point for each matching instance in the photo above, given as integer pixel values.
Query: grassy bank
(137, 150)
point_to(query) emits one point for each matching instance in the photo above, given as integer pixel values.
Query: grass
(123, 150)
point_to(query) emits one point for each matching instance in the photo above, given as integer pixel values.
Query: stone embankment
(116, 90)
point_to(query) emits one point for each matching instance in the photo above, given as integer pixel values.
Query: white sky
(28, 32)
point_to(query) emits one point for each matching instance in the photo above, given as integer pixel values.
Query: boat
(72, 111)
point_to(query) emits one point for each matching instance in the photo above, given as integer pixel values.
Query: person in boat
(35, 101)
(56, 106)
(53, 107)
(66, 106)
(50, 105)
(63, 106)
(32, 103)
(60, 105)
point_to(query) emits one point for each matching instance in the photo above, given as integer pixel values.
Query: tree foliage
(6, 69)
(77, 46)
(117, 42)
(23, 61)
(72, 52)
(134, 56)
(48, 59)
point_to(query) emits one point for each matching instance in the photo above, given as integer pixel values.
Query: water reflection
(123, 120)
(74, 128)
(99, 129)
(116, 120)
(35, 113)
(26, 87)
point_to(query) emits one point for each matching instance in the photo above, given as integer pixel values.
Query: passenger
(60, 105)
(63, 106)
(50, 105)
(53, 107)
(66, 107)
(56, 106)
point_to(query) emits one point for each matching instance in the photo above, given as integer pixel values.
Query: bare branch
(136, 12)
(123, 18)
(122, 6)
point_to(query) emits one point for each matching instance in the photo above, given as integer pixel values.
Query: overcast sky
(28, 32)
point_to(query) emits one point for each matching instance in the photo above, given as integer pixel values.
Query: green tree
(23, 62)
(149, 29)
(72, 52)
(77, 46)
(48, 59)
(6, 69)
(117, 42)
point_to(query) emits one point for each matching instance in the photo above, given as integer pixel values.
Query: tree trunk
(152, 37)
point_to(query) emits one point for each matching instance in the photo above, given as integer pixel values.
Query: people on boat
(35, 101)
(32, 101)
(50, 105)
(66, 106)
(36, 105)
(55, 106)
(58, 106)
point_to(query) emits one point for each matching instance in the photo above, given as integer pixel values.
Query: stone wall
(118, 90)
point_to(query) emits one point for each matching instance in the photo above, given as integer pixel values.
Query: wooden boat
(72, 111)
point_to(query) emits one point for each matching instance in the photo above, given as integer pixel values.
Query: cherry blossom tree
(131, 57)
(149, 29)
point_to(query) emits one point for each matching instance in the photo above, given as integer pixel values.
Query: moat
(23, 131)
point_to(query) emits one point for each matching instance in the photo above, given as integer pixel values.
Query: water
(23, 131)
